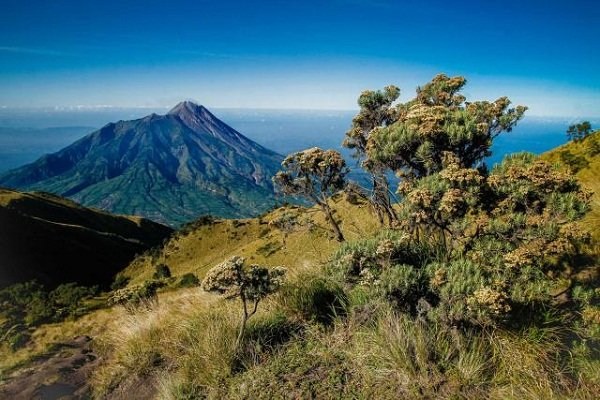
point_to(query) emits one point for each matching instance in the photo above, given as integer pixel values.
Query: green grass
(259, 240)
(588, 176)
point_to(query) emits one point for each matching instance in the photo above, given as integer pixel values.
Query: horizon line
(108, 107)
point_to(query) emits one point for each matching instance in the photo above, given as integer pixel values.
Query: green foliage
(439, 120)
(188, 280)
(67, 298)
(475, 247)
(314, 174)
(406, 287)
(162, 271)
(593, 146)
(120, 282)
(269, 249)
(286, 222)
(204, 220)
(363, 261)
(26, 305)
(314, 298)
(580, 131)
(18, 339)
(133, 297)
(233, 279)
(575, 162)
(376, 111)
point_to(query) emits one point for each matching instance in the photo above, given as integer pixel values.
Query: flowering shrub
(476, 245)
(314, 174)
(233, 279)
(133, 297)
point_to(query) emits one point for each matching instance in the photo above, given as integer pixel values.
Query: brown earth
(62, 374)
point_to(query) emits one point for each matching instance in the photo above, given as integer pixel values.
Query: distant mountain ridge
(169, 168)
(55, 240)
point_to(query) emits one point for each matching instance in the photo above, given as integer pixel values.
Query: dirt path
(62, 374)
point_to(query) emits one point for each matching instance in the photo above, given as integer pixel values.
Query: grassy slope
(351, 360)
(307, 243)
(197, 251)
(588, 176)
(46, 237)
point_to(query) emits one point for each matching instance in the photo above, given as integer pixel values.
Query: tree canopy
(439, 120)
(233, 279)
(314, 174)
(376, 111)
(579, 131)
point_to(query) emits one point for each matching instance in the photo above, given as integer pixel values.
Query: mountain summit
(169, 168)
(202, 121)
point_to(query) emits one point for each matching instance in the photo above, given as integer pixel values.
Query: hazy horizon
(27, 135)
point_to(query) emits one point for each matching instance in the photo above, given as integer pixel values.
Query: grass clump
(314, 298)
(188, 280)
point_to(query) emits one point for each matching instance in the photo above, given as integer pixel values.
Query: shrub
(406, 287)
(204, 220)
(251, 284)
(315, 175)
(67, 298)
(18, 339)
(286, 222)
(188, 280)
(575, 162)
(120, 282)
(363, 261)
(314, 298)
(593, 146)
(27, 305)
(135, 296)
(578, 132)
(162, 271)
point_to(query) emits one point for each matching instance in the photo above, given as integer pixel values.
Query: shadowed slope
(55, 240)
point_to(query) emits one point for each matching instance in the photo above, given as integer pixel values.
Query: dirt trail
(62, 374)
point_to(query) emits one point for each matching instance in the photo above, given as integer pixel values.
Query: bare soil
(61, 374)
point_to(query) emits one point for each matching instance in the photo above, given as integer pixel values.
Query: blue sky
(296, 54)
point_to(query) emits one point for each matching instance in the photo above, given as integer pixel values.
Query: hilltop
(169, 168)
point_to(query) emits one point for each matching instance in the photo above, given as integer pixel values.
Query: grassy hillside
(583, 158)
(323, 337)
(290, 236)
(54, 240)
(296, 237)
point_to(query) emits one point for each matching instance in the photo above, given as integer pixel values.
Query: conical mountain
(169, 168)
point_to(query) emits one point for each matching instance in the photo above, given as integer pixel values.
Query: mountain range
(169, 168)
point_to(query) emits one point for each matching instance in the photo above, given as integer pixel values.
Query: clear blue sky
(296, 54)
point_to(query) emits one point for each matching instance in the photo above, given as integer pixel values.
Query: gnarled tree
(314, 174)
(577, 132)
(376, 111)
(233, 279)
(440, 120)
